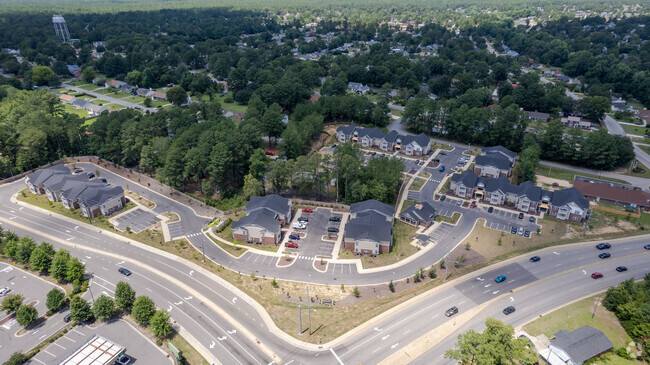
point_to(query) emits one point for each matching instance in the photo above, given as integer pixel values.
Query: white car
(4, 291)
(298, 225)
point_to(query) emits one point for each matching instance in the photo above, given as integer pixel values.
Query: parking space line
(49, 353)
(249, 257)
(39, 361)
(74, 330)
(54, 343)
(70, 339)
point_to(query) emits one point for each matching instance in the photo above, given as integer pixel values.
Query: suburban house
(79, 103)
(145, 93)
(567, 204)
(613, 193)
(539, 116)
(129, 89)
(115, 83)
(576, 122)
(392, 141)
(358, 88)
(160, 96)
(643, 115)
(576, 347)
(66, 98)
(419, 214)
(495, 162)
(74, 70)
(370, 229)
(75, 191)
(265, 215)
(95, 110)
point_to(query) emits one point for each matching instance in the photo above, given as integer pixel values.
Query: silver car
(4, 291)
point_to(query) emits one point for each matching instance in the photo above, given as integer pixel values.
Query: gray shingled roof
(565, 196)
(421, 211)
(40, 176)
(98, 194)
(369, 225)
(370, 132)
(500, 163)
(347, 129)
(467, 178)
(273, 202)
(583, 343)
(262, 218)
(372, 204)
(532, 192)
(65, 181)
(391, 136)
(499, 149)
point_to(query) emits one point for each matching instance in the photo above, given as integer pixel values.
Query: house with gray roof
(567, 204)
(358, 88)
(279, 206)
(60, 183)
(79, 103)
(492, 166)
(345, 133)
(544, 117)
(419, 214)
(576, 347)
(500, 151)
(95, 110)
(368, 233)
(260, 226)
(372, 205)
(36, 180)
(392, 141)
(98, 199)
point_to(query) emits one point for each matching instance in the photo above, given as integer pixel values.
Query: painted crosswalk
(194, 234)
(434, 180)
(305, 257)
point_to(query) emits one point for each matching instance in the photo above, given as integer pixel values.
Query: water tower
(61, 28)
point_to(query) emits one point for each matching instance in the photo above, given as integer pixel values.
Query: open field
(72, 110)
(568, 175)
(633, 129)
(233, 107)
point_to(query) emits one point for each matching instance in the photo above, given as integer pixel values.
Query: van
(298, 225)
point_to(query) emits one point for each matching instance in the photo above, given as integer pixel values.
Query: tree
(41, 258)
(432, 272)
(17, 358)
(80, 309)
(26, 314)
(76, 270)
(391, 286)
(88, 74)
(24, 250)
(147, 102)
(42, 75)
(177, 95)
(104, 307)
(143, 310)
(124, 296)
(258, 162)
(11, 303)
(272, 122)
(594, 107)
(252, 186)
(356, 292)
(496, 345)
(529, 159)
(59, 266)
(134, 78)
(160, 325)
(55, 300)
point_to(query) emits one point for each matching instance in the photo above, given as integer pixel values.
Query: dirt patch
(614, 227)
(137, 198)
(549, 180)
(285, 261)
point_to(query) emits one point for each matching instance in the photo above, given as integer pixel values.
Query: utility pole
(446, 259)
(584, 232)
(308, 310)
(596, 306)
(91, 294)
(299, 320)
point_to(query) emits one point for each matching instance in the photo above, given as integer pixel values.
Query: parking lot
(138, 348)
(312, 245)
(505, 220)
(441, 232)
(137, 220)
(33, 289)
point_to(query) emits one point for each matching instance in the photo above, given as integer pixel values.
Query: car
(4, 291)
(604, 255)
(508, 310)
(67, 318)
(451, 311)
(78, 170)
(291, 244)
(459, 202)
(535, 259)
(123, 360)
(334, 145)
(527, 233)
(303, 219)
(294, 237)
(603, 246)
(124, 271)
(443, 153)
(596, 275)
(298, 225)
(307, 210)
(335, 219)
(513, 230)
(90, 174)
(441, 169)
(521, 215)
(490, 209)
(500, 278)
(521, 231)
(373, 153)
(472, 204)
(531, 219)
(621, 268)
(104, 181)
(332, 229)
(270, 153)
(647, 247)
(443, 197)
(555, 185)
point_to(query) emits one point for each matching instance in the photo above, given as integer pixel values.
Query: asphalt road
(111, 99)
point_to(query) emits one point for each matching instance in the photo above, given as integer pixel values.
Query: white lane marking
(395, 345)
(232, 332)
(98, 284)
(188, 298)
(234, 300)
(192, 273)
(54, 343)
(221, 338)
(179, 303)
(336, 356)
(385, 337)
(512, 299)
(212, 344)
(149, 289)
(376, 350)
(39, 361)
(377, 329)
(495, 292)
(70, 339)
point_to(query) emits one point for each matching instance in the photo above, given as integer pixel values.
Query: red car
(307, 210)
(596, 275)
(270, 153)
(473, 205)
(291, 244)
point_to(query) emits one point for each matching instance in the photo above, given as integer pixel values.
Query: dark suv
(124, 271)
(335, 219)
(508, 310)
(332, 229)
(451, 311)
(603, 246)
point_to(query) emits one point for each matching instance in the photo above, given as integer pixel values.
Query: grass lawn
(115, 106)
(233, 107)
(113, 93)
(578, 314)
(395, 112)
(641, 170)
(644, 147)
(636, 105)
(89, 121)
(633, 129)
(568, 175)
(403, 233)
(188, 353)
(407, 203)
(441, 146)
(134, 99)
(89, 87)
(155, 103)
(77, 83)
(417, 184)
(72, 110)
(452, 220)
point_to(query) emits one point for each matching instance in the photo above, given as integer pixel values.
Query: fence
(616, 211)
